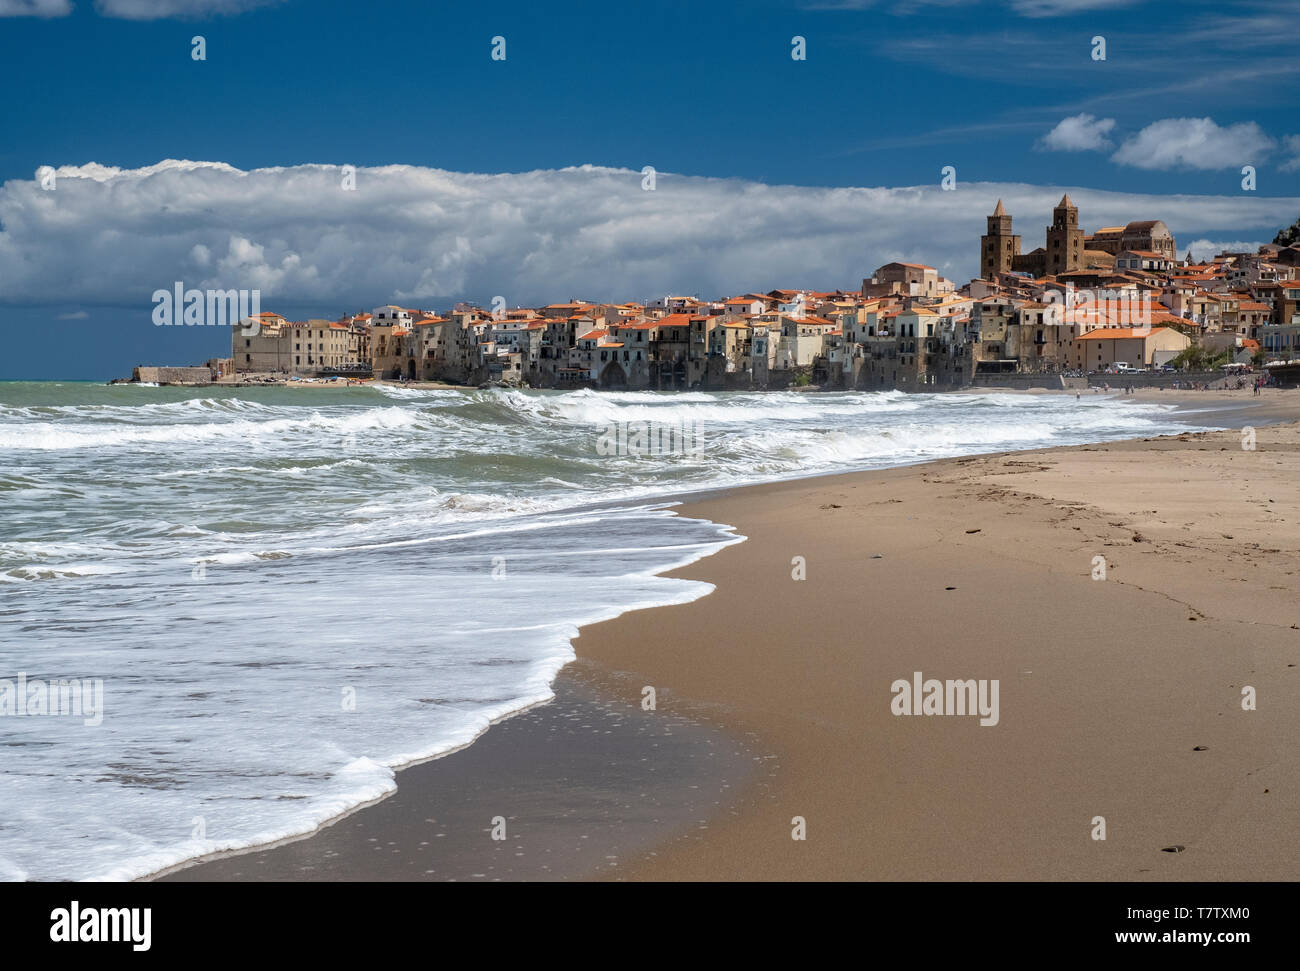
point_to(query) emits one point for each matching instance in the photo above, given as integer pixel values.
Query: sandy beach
(1121, 595)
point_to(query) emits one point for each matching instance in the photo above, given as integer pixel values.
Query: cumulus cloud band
(420, 236)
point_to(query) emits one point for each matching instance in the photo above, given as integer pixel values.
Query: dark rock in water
(1176, 848)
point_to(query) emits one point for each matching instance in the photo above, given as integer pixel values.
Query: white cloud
(133, 9)
(180, 9)
(1079, 133)
(421, 236)
(35, 8)
(1195, 143)
(1058, 8)
(1291, 146)
(1204, 249)
(1026, 8)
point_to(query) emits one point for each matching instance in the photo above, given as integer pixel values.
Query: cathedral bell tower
(1064, 239)
(999, 246)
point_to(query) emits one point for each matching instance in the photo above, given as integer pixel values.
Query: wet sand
(577, 787)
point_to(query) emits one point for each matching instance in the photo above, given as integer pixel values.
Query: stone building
(905, 279)
(1066, 248)
(1150, 235)
(1134, 346)
(262, 344)
(999, 247)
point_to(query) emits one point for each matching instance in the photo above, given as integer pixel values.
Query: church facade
(1067, 248)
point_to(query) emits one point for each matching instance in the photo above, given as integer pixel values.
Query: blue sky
(890, 92)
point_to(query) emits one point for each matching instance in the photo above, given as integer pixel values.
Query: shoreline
(674, 772)
(1160, 391)
(592, 644)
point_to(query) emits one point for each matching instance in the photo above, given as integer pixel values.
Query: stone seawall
(172, 375)
(1024, 382)
(1167, 379)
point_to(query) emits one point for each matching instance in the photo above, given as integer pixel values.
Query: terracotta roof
(1119, 333)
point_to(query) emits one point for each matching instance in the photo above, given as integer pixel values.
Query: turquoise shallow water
(287, 593)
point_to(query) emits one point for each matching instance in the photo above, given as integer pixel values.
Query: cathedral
(1067, 248)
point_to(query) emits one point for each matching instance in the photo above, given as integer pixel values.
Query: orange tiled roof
(1119, 333)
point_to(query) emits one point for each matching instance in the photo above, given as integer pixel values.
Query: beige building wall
(267, 350)
(1094, 354)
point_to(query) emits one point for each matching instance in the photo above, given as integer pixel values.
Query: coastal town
(1115, 301)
